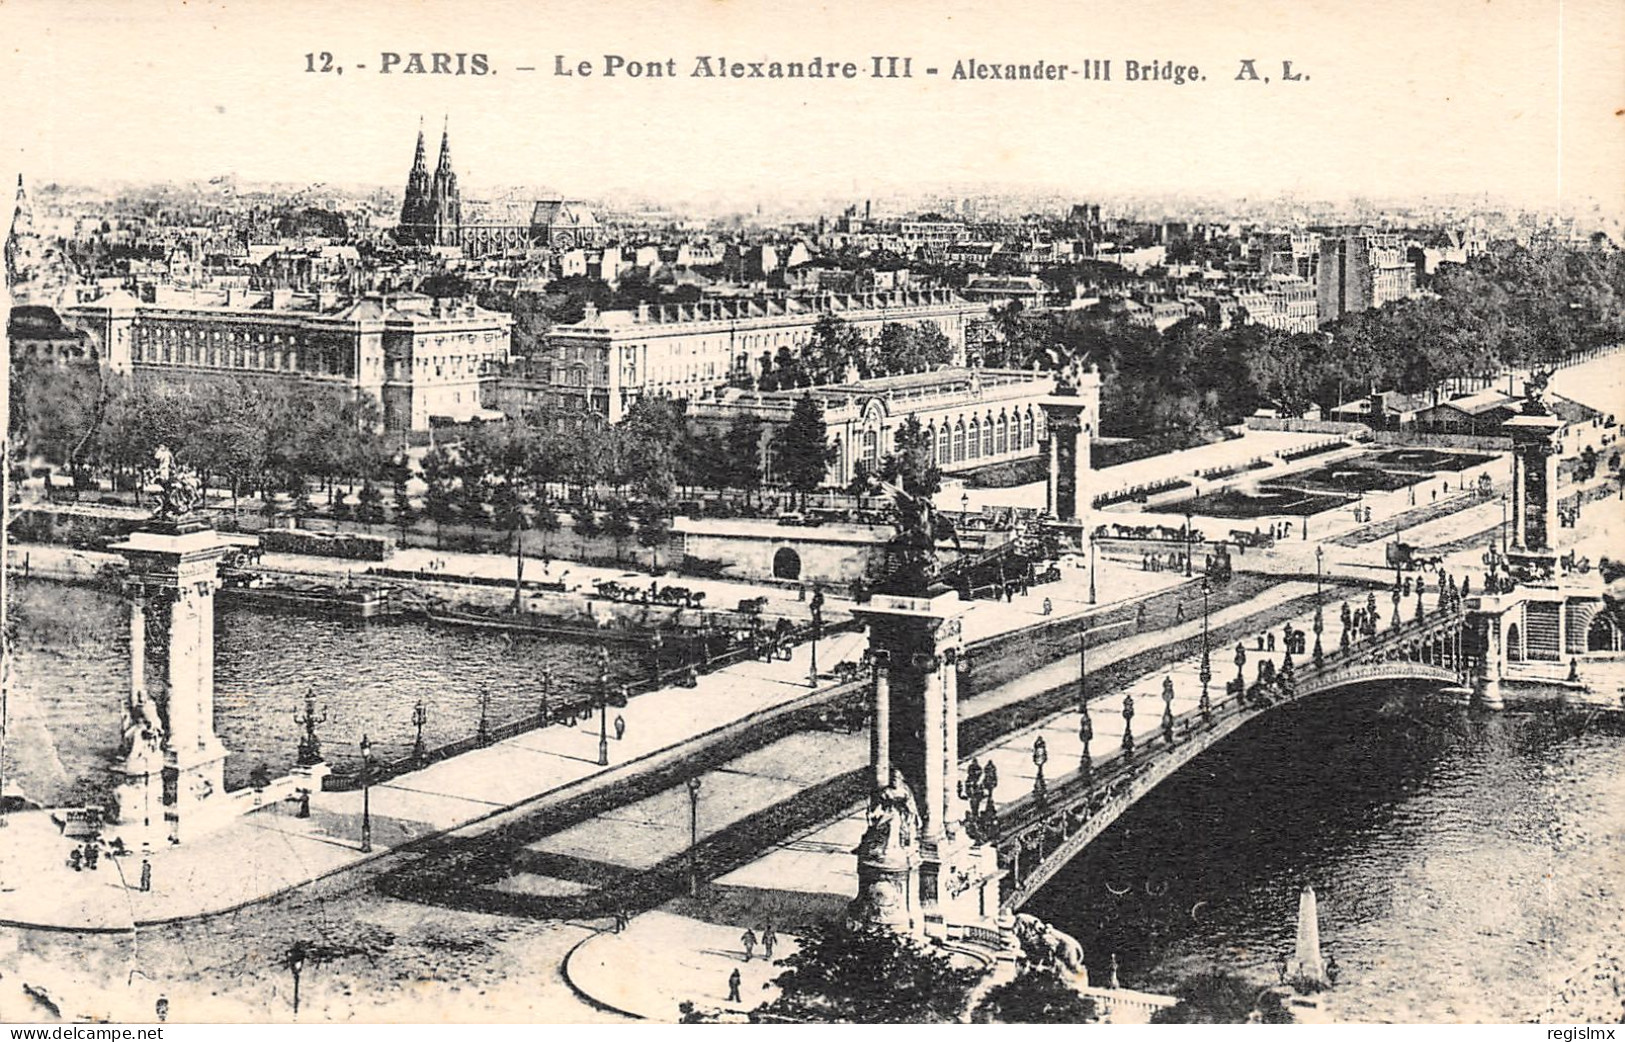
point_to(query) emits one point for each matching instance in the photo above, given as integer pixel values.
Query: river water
(72, 676)
(1466, 865)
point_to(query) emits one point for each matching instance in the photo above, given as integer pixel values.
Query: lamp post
(1205, 671)
(310, 747)
(1086, 727)
(482, 733)
(1396, 597)
(1168, 709)
(1187, 544)
(366, 795)
(1503, 524)
(817, 606)
(693, 835)
(420, 716)
(1320, 624)
(964, 506)
(1241, 676)
(1091, 568)
(1040, 758)
(603, 707)
(1128, 725)
(547, 699)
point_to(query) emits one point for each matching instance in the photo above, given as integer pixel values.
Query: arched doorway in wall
(786, 564)
(1514, 643)
(1604, 634)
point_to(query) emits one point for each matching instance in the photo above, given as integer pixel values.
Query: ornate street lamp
(1091, 568)
(1040, 758)
(420, 716)
(1187, 544)
(817, 606)
(1396, 597)
(366, 795)
(310, 747)
(1241, 677)
(1205, 672)
(1086, 727)
(1320, 625)
(603, 707)
(1168, 709)
(1503, 523)
(970, 790)
(1128, 725)
(693, 835)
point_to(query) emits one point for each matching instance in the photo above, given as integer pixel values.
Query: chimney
(643, 311)
(590, 312)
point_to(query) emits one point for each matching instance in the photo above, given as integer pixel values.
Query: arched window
(944, 446)
(1001, 443)
(1027, 430)
(959, 442)
(987, 437)
(975, 438)
(871, 446)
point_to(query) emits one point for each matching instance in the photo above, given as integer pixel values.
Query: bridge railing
(1034, 828)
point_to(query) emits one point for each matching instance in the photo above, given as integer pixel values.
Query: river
(1466, 864)
(72, 676)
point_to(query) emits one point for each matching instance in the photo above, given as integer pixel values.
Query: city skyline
(1399, 103)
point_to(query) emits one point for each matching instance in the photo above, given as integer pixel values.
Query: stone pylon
(173, 762)
(1310, 965)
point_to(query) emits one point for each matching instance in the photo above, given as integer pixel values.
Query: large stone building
(973, 417)
(422, 359)
(1361, 271)
(609, 360)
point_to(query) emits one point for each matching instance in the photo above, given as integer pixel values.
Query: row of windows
(992, 436)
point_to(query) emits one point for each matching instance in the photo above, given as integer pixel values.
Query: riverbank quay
(273, 848)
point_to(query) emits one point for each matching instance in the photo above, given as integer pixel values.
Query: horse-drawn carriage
(1404, 555)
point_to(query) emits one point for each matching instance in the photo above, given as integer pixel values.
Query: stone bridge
(1039, 834)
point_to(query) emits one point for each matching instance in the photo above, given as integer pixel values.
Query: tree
(913, 467)
(1217, 997)
(400, 474)
(869, 976)
(440, 472)
(618, 524)
(653, 530)
(368, 942)
(369, 506)
(1036, 996)
(804, 450)
(584, 520)
(742, 455)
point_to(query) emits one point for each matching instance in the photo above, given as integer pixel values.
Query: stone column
(1489, 673)
(933, 805)
(954, 807)
(1519, 477)
(138, 644)
(880, 729)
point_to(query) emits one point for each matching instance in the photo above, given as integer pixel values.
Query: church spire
(420, 161)
(445, 147)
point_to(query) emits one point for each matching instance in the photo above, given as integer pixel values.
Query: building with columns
(423, 359)
(609, 360)
(974, 417)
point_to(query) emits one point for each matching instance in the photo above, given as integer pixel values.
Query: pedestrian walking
(1179, 612)
(161, 1008)
(1270, 641)
(146, 876)
(769, 939)
(748, 939)
(620, 727)
(1139, 617)
(1048, 607)
(733, 986)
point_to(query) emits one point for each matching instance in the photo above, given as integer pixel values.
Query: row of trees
(836, 350)
(1514, 306)
(250, 438)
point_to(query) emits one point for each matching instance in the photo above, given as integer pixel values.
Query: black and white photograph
(627, 513)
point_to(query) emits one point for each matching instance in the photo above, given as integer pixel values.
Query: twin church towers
(433, 212)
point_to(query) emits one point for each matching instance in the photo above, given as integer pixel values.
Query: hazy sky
(1401, 97)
